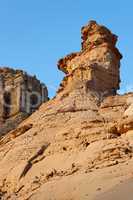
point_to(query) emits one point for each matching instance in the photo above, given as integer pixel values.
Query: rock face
(98, 63)
(20, 95)
(80, 143)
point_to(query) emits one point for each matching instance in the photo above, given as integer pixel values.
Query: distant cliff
(20, 95)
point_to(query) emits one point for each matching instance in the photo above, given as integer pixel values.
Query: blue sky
(34, 34)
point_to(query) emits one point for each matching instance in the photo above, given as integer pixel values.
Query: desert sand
(123, 191)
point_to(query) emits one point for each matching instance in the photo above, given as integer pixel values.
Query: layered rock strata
(80, 143)
(97, 65)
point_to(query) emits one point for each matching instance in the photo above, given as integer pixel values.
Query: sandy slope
(123, 191)
(90, 186)
(62, 156)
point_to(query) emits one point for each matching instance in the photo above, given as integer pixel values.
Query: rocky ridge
(80, 143)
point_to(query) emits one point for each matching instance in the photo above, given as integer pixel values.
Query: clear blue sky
(34, 34)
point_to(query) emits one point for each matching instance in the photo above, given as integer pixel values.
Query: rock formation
(20, 95)
(97, 65)
(80, 143)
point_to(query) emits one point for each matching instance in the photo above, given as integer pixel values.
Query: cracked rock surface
(79, 144)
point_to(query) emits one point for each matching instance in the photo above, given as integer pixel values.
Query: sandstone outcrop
(98, 63)
(20, 95)
(80, 143)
